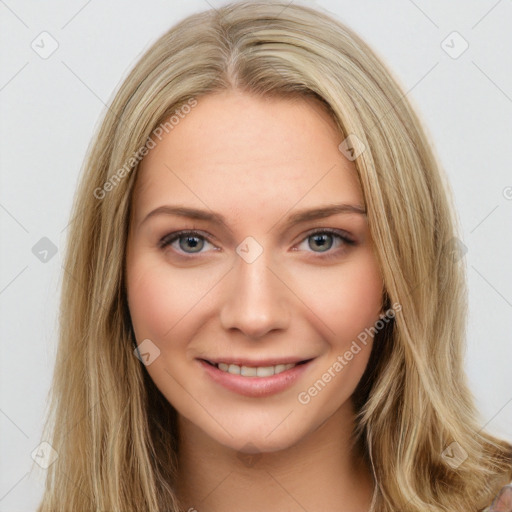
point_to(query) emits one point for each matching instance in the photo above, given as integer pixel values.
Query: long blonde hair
(108, 422)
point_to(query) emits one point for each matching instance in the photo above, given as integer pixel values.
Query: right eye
(186, 240)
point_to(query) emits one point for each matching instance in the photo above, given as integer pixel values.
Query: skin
(256, 161)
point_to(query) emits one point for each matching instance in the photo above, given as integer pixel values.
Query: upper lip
(240, 361)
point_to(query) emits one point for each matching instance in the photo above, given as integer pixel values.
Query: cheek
(347, 312)
(361, 298)
(145, 298)
(166, 302)
(156, 301)
(347, 298)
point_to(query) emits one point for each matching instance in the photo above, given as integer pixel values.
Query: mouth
(255, 370)
(255, 379)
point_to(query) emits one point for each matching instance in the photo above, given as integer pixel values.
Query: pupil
(193, 242)
(320, 240)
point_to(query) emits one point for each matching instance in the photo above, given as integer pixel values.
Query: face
(249, 251)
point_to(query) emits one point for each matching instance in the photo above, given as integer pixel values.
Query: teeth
(251, 371)
(265, 371)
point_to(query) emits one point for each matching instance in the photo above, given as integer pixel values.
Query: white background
(50, 107)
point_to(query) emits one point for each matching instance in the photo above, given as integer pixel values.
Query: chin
(255, 435)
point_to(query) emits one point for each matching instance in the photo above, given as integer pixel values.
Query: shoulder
(503, 500)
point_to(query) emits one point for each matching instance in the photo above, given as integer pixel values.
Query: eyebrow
(295, 218)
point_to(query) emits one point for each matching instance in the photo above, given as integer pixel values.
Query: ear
(386, 301)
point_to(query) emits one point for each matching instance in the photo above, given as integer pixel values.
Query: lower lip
(256, 386)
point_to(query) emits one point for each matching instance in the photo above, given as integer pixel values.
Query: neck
(321, 472)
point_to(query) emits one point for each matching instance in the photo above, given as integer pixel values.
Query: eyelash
(172, 237)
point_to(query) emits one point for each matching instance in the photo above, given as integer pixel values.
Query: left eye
(324, 240)
(193, 240)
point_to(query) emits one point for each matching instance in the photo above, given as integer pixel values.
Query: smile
(253, 371)
(254, 381)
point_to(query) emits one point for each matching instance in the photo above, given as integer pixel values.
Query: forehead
(245, 152)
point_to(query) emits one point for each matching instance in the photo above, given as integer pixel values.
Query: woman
(264, 306)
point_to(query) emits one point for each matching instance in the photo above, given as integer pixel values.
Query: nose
(256, 300)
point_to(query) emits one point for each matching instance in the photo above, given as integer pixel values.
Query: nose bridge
(256, 301)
